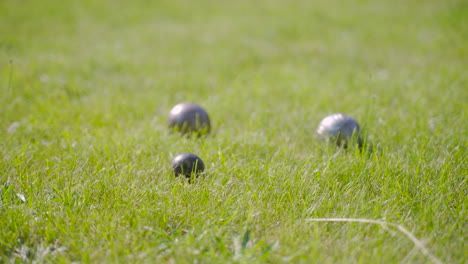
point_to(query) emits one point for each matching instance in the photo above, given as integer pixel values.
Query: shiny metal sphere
(339, 129)
(189, 118)
(187, 164)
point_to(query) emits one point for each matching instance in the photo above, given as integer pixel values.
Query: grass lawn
(85, 152)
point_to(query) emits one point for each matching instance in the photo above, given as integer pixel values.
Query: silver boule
(187, 164)
(188, 118)
(340, 129)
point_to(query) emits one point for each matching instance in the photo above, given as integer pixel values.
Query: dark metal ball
(187, 164)
(189, 118)
(339, 129)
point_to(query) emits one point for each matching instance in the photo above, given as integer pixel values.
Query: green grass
(85, 88)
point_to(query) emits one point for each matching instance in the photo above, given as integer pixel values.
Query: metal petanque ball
(188, 118)
(340, 129)
(187, 164)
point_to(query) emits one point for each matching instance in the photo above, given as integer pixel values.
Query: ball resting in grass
(188, 165)
(188, 118)
(341, 129)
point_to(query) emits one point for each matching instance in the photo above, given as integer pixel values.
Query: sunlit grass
(85, 89)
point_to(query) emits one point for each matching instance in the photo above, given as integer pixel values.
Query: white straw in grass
(384, 225)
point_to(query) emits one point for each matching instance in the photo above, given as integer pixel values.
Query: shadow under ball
(186, 164)
(188, 118)
(340, 129)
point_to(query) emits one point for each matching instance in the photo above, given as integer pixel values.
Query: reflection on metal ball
(187, 164)
(340, 129)
(188, 118)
